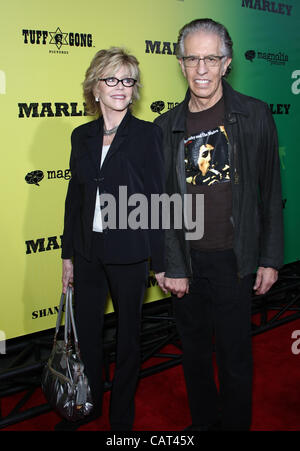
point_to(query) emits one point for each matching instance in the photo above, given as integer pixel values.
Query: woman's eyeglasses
(113, 81)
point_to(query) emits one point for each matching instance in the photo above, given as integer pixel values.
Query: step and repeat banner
(46, 47)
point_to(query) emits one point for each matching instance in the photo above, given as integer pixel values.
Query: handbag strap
(59, 315)
(67, 330)
(66, 299)
(71, 324)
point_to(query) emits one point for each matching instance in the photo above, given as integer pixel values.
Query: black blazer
(134, 160)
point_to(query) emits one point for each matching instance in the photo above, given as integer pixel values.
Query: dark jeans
(127, 284)
(218, 307)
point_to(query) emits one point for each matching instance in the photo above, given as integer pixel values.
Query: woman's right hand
(67, 274)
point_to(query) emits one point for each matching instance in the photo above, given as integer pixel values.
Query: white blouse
(97, 224)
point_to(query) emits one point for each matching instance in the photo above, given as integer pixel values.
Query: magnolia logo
(34, 177)
(164, 212)
(250, 55)
(278, 59)
(159, 105)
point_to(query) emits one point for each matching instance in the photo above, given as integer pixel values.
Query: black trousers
(217, 311)
(127, 284)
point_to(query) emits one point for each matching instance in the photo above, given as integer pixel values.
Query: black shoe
(66, 425)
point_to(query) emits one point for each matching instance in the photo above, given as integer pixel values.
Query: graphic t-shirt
(207, 172)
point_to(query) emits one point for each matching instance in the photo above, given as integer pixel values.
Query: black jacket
(255, 176)
(134, 160)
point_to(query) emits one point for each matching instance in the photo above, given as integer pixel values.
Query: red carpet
(161, 402)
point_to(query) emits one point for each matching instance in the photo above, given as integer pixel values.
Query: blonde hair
(105, 64)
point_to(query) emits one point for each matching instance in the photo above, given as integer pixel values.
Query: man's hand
(67, 274)
(178, 287)
(265, 278)
(160, 277)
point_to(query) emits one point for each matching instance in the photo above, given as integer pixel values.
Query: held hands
(178, 287)
(265, 278)
(67, 274)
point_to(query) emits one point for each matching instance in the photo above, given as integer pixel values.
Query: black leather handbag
(64, 382)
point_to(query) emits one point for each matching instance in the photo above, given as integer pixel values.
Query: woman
(112, 155)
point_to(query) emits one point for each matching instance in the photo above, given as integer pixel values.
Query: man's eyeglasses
(209, 61)
(113, 81)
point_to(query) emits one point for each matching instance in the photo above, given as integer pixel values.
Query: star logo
(58, 38)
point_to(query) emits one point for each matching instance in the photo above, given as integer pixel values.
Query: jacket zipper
(182, 190)
(236, 178)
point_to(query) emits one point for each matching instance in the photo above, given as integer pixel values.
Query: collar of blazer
(94, 140)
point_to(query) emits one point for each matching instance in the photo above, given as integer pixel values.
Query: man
(223, 145)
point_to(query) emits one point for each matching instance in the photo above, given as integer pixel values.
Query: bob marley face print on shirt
(206, 157)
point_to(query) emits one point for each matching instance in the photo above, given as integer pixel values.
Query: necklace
(111, 131)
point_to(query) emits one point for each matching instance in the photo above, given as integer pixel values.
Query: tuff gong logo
(57, 38)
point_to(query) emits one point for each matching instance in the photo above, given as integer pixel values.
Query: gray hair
(208, 26)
